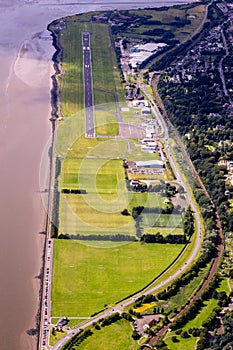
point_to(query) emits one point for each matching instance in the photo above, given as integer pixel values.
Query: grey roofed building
(150, 164)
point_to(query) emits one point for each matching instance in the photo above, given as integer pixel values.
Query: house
(62, 322)
(137, 103)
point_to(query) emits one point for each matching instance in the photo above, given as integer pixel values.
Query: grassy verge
(116, 336)
(181, 344)
(55, 336)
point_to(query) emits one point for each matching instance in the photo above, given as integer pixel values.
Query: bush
(125, 212)
(174, 339)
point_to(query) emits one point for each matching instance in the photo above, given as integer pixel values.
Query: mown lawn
(182, 344)
(168, 220)
(99, 210)
(83, 147)
(105, 71)
(106, 123)
(164, 230)
(85, 278)
(94, 175)
(116, 336)
(94, 217)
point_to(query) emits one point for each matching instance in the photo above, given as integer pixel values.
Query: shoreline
(49, 227)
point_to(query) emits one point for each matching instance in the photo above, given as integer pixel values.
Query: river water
(25, 70)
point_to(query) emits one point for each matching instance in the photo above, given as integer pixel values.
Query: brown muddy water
(25, 70)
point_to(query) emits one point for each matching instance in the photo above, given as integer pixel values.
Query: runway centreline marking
(88, 86)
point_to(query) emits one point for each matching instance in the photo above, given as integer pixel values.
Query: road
(46, 297)
(88, 86)
(220, 67)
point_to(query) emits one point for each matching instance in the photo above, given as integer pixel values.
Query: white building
(137, 103)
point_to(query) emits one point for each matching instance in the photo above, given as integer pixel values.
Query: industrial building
(142, 52)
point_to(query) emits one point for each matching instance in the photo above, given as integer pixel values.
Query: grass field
(116, 336)
(105, 71)
(99, 210)
(79, 216)
(85, 279)
(164, 230)
(72, 67)
(166, 220)
(102, 97)
(102, 69)
(95, 175)
(182, 344)
(195, 15)
(106, 123)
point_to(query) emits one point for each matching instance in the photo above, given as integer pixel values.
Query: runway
(88, 86)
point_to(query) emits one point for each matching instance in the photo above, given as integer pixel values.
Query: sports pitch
(86, 279)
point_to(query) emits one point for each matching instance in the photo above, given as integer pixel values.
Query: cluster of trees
(135, 313)
(167, 34)
(68, 191)
(225, 340)
(77, 339)
(188, 315)
(192, 311)
(144, 299)
(56, 200)
(188, 222)
(118, 58)
(114, 238)
(136, 211)
(179, 22)
(158, 238)
(110, 319)
(196, 107)
(141, 187)
(167, 59)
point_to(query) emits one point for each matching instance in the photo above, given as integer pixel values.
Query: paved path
(88, 86)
